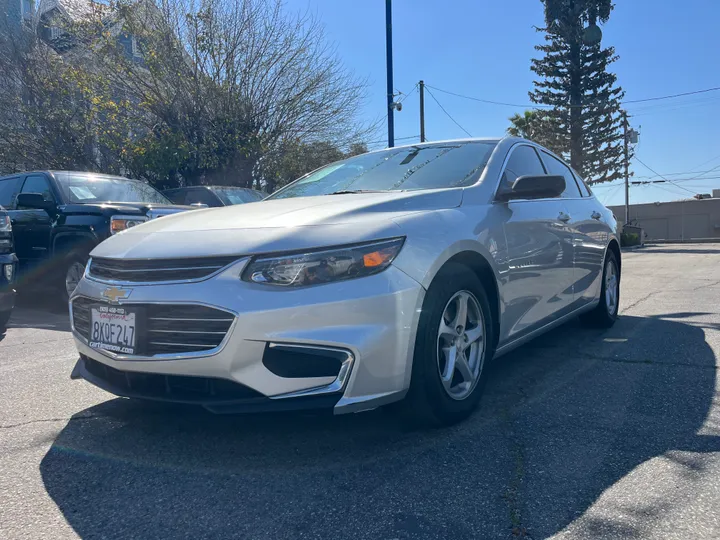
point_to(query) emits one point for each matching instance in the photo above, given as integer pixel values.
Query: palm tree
(521, 124)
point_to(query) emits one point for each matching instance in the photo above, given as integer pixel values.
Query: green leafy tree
(224, 85)
(585, 114)
(295, 159)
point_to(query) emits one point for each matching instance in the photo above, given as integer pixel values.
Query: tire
(4, 319)
(429, 401)
(73, 268)
(606, 312)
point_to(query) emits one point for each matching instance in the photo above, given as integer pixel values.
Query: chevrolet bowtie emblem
(114, 293)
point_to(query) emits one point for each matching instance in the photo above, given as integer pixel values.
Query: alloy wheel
(461, 345)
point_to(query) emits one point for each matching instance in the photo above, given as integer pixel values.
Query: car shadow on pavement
(41, 310)
(564, 420)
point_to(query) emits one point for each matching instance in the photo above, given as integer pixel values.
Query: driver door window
(38, 184)
(32, 226)
(523, 161)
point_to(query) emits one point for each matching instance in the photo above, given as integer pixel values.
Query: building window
(26, 7)
(55, 32)
(135, 49)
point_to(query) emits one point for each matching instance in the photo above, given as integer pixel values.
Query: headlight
(121, 223)
(8, 271)
(331, 264)
(5, 224)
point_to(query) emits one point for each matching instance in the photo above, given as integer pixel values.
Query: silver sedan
(393, 276)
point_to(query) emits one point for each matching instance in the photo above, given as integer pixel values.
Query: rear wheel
(606, 312)
(454, 343)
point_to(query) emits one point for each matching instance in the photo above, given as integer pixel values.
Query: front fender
(432, 240)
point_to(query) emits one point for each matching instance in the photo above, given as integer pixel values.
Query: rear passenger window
(176, 196)
(9, 188)
(584, 188)
(524, 161)
(557, 167)
(199, 195)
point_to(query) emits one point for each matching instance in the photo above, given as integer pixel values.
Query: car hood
(276, 225)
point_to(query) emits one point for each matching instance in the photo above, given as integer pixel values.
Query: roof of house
(76, 10)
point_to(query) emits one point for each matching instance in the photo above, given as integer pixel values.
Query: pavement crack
(647, 361)
(49, 420)
(648, 295)
(711, 284)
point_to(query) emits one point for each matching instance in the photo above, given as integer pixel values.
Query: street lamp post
(388, 51)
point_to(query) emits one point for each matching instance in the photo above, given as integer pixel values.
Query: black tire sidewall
(426, 385)
(4, 320)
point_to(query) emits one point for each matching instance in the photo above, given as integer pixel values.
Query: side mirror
(535, 187)
(34, 200)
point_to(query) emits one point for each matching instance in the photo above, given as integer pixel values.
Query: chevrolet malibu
(393, 276)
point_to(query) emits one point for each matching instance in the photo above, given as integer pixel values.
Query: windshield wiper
(351, 191)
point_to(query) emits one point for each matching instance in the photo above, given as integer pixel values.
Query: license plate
(112, 329)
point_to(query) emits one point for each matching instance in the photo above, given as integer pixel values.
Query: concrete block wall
(683, 221)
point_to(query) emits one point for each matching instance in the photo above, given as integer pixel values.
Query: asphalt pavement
(581, 434)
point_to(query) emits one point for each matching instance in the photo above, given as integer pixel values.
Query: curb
(632, 248)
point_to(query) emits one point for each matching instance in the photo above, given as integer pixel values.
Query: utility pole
(388, 51)
(422, 111)
(627, 167)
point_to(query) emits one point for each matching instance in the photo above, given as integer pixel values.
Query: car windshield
(442, 165)
(230, 195)
(93, 188)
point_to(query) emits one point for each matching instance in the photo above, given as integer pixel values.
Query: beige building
(679, 221)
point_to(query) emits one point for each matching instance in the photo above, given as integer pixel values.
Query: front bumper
(371, 320)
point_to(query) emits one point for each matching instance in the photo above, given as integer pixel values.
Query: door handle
(596, 215)
(564, 217)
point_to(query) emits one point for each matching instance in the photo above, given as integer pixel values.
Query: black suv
(213, 196)
(58, 217)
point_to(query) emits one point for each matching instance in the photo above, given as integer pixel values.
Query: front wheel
(74, 270)
(606, 312)
(455, 341)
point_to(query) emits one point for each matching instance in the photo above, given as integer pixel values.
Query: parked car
(8, 264)
(59, 216)
(393, 275)
(213, 196)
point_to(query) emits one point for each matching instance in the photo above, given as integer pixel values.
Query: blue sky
(483, 49)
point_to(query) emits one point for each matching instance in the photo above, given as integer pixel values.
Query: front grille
(169, 387)
(166, 328)
(154, 270)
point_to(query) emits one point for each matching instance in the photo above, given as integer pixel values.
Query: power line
(715, 89)
(447, 113)
(610, 194)
(538, 105)
(710, 170)
(676, 174)
(405, 96)
(482, 100)
(706, 162)
(661, 176)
